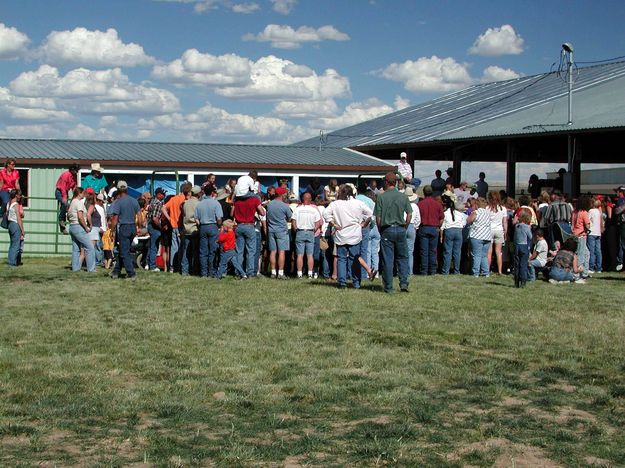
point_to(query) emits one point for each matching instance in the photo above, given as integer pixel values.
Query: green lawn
(185, 372)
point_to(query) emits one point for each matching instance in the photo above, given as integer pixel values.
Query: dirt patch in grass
(594, 461)
(14, 440)
(219, 395)
(377, 420)
(510, 454)
(564, 415)
(563, 387)
(512, 401)
(294, 461)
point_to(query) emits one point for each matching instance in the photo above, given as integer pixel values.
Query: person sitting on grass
(522, 241)
(538, 259)
(565, 266)
(227, 240)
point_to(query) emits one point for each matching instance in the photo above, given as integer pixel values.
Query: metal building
(40, 162)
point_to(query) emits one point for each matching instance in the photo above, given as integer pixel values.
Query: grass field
(186, 372)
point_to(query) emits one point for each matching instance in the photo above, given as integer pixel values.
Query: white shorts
(498, 237)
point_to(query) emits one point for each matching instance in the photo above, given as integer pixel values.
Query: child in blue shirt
(522, 241)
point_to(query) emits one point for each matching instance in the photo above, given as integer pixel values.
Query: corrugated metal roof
(533, 104)
(165, 153)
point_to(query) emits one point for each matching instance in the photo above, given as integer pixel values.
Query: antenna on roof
(322, 139)
(567, 53)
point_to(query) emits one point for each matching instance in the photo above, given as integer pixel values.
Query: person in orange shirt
(172, 211)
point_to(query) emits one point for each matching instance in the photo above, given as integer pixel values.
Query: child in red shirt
(228, 251)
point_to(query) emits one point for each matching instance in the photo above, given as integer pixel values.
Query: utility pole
(571, 184)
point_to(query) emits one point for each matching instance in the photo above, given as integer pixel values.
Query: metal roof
(165, 154)
(533, 104)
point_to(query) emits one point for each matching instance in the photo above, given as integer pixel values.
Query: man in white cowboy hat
(95, 180)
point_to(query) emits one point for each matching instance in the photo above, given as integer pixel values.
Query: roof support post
(457, 165)
(572, 179)
(510, 168)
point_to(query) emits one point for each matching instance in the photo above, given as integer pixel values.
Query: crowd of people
(336, 232)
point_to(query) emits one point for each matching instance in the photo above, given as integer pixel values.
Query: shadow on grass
(608, 278)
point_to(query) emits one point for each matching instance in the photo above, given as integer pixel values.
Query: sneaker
(131, 278)
(156, 269)
(146, 268)
(552, 281)
(274, 276)
(619, 267)
(114, 275)
(281, 277)
(315, 275)
(404, 289)
(591, 272)
(580, 281)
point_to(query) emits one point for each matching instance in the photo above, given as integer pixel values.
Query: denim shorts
(304, 242)
(278, 240)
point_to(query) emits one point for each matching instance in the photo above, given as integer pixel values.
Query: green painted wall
(40, 217)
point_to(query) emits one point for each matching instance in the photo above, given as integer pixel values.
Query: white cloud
(31, 131)
(91, 48)
(401, 103)
(494, 73)
(285, 37)
(355, 113)
(203, 6)
(196, 68)
(88, 91)
(269, 78)
(13, 43)
(498, 41)
(429, 74)
(306, 109)
(268, 81)
(84, 132)
(210, 122)
(245, 8)
(17, 108)
(283, 7)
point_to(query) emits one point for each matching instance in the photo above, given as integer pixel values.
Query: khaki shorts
(498, 237)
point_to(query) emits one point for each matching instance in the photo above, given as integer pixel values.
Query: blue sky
(267, 71)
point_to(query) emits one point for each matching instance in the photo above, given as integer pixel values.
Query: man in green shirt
(393, 214)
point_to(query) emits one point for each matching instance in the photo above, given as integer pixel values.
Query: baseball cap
(403, 155)
(122, 185)
(90, 190)
(620, 188)
(195, 189)
(160, 190)
(281, 191)
(100, 197)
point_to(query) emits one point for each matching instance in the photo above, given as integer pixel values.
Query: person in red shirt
(244, 210)
(67, 181)
(431, 219)
(228, 252)
(9, 180)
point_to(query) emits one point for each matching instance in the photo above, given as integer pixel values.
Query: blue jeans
(531, 271)
(394, 248)
(596, 258)
(452, 249)
(521, 258)
(188, 253)
(479, 252)
(347, 253)
(99, 252)
(208, 249)
(80, 238)
(5, 198)
(174, 255)
(559, 274)
(364, 251)
(125, 234)
(246, 244)
(428, 239)
(411, 238)
(259, 250)
(155, 235)
(583, 255)
(63, 205)
(325, 258)
(229, 256)
(374, 248)
(14, 247)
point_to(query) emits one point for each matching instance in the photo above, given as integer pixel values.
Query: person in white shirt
(405, 169)
(463, 194)
(538, 259)
(593, 239)
(348, 216)
(454, 222)
(305, 221)
(412, 228)
(247, 185)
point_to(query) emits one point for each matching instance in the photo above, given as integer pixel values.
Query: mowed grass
(186, 372)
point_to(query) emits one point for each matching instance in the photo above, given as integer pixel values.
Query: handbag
(323, 243)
